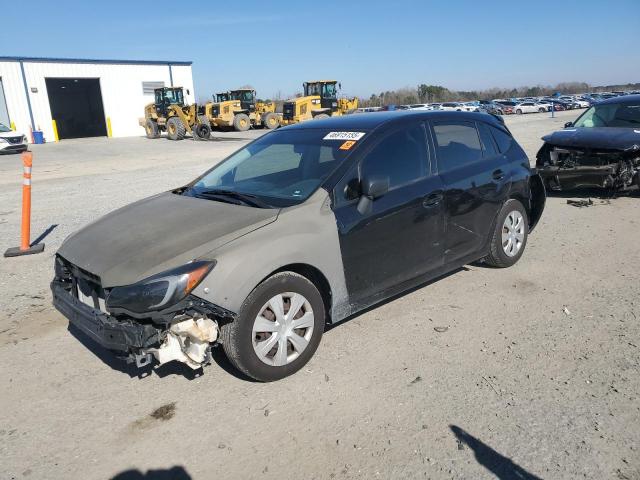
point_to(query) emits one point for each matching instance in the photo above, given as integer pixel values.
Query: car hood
(157, 234)
(10, 134)
(600, 137)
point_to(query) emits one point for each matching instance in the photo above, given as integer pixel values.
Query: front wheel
(270, 120)
(278, 328)
(519, 112)
(541, 110)
(175, 129)
(509, 236)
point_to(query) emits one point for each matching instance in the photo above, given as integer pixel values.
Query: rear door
(401, 237)
(475, 182)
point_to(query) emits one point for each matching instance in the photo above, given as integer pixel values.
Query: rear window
(503, 139)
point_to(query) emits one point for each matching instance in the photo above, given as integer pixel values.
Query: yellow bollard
(55, 130)
(109, 132)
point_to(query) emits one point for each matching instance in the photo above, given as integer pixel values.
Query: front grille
(14, 140)
(288, 110)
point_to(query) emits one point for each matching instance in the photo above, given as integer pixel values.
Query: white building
(73, 98)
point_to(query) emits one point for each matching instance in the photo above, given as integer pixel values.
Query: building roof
(94, 60)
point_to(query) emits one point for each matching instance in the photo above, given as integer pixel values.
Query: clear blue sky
(369, 46)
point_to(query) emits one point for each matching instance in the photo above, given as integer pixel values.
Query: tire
(270, 121)
(541, 110)
(202, 130)
(241, 122)
(175, 129)
(321, 116)
(242, 342)
(501, 255)
(519, 112)
(151, 127)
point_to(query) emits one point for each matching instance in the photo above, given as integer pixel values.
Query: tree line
(436, 93)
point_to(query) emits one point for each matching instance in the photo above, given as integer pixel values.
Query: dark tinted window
(401, 156)
(458, 144)
(488, 147)
(502, 139)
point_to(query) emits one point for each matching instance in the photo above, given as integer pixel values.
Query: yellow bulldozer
(170, 113)
(239, 109)
(320, 100)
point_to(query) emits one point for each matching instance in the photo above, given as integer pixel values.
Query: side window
(502, 138)
(488, 147)
(402, 156)
(457, 144)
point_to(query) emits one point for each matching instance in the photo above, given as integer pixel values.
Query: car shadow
(173, 473)
(331, 326)
(502, 467)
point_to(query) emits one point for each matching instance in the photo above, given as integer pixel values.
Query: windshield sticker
(344, 136)
(347, 145)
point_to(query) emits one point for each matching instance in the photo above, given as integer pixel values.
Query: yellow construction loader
(320, 100)
(238, 109)
(169, 113)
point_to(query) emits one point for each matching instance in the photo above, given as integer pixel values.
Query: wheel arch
(315, 276)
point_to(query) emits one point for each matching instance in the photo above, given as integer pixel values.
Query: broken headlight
(159, 291)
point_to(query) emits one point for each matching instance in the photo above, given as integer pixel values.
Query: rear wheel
(519, 112)
(270, 121)
(241, 122)
(175, 129)
(278, 328)
(509, 236)
(151, 127)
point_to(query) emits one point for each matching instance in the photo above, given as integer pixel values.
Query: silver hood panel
(158, 233)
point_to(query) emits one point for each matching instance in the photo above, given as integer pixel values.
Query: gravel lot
(529, 372)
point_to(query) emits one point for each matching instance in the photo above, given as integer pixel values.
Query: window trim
(492, 139)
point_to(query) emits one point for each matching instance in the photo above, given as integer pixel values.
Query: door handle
(432, 200)
(497, 174)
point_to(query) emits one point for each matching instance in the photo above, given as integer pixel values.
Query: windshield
(169, 96)
(4, 128)
(281, 169)
(243, 96)
(610, 115)
(329, 90)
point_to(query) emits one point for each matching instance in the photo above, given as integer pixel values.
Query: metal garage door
(4, 113)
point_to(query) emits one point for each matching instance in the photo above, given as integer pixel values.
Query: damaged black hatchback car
(600, 149)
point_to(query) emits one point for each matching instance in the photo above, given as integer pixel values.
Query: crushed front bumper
(125, 336)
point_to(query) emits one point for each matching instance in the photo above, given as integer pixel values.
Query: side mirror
(188, 92)
(372, 188)
(568, 124)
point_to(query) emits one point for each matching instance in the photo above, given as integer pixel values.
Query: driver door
(401, 237)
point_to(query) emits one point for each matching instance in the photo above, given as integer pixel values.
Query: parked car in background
(12, 141)
(507, 106)
(471, 106)
(420, 106)
(452, 107)
(601, 148)
(242, 270)
(529, 107)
